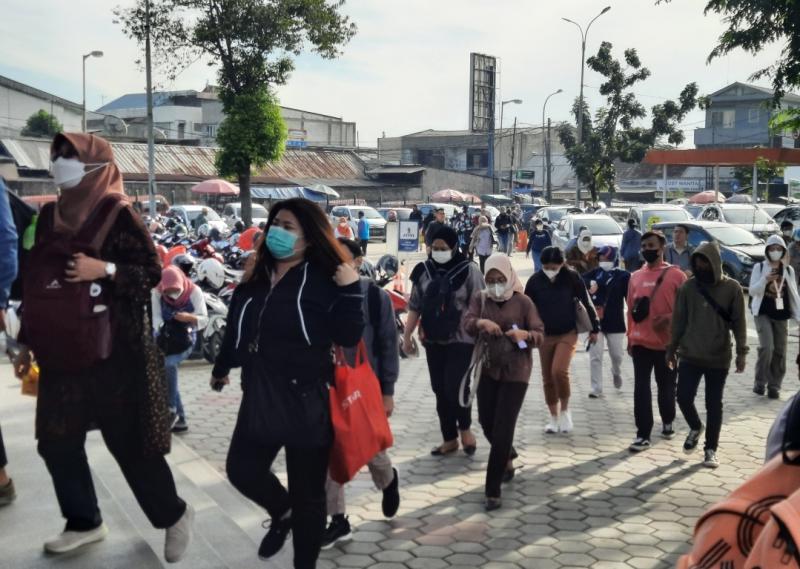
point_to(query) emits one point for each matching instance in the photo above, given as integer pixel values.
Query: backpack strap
(724, 314)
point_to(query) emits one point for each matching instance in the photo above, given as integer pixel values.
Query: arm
(758, 280)
(346, 322)
(534, 325)
(155, 303)
(739, 325)
(679, 320)
(388, 346)
(200, 310)
(8, 247)
(228, 358)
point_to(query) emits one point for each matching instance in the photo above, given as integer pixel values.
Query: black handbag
(174, 338)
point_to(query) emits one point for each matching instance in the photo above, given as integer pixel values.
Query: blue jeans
(171, 364)
(537, 260)
(503, 239)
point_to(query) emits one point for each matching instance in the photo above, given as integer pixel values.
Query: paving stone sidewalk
(581, 500)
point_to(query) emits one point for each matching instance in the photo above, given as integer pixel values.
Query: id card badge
(779, 303)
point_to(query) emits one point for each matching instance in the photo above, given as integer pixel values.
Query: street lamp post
(85, 57)
(500, 158)
(580, 97)
(545, 134)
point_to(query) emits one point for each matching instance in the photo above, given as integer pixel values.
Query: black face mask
(650, 255)
(705, 276)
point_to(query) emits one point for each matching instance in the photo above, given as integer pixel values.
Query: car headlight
(744, 259)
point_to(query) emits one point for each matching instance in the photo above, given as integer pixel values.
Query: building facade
(19, 101)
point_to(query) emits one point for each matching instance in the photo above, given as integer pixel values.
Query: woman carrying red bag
(300, 299)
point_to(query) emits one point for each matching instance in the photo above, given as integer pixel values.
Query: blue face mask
(281, 242)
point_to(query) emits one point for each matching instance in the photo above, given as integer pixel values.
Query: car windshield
(772, 209)
(658, 215)
(258, 211)
(369, 213)
(554, 214)
(733, 236)
(597, 226)
(193, 214)
(618, 215)
(746, 216)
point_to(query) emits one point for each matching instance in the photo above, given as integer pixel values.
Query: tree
(754, 25)
(42, 124)
(253, 42)
(766, 170)
(613, 133)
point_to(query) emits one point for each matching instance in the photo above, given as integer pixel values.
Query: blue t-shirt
(363, 229)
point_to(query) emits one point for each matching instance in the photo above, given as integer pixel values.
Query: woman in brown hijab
(123, 392)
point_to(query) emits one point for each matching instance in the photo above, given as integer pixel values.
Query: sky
(407, 69)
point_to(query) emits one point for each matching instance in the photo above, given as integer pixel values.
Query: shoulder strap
(660, 281)
(724, 314)
(98, 225)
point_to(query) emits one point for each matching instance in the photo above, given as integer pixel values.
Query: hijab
(449, 236)
(171, 278)
(584, 241)
(502, 263)
(75, 204)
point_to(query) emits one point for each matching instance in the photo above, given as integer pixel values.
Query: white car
(376, 222)
(233, 213)
(605, 231)
(747, 216)
(188, 213)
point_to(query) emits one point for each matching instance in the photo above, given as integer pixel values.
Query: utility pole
(545, 140)
(549, 167)
(151, 150)
(511, 170)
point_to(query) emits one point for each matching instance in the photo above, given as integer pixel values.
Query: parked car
(449, 209)
(790, 213)
(646, 215)
(772, 208)
(395, 213)
(377, 224)
(186, 214)
(747, 216)
(739, 248)
(476, 210)
(605, 231)
(233, 213)
(529, 212)
(618, 214)
(694, 209)
(554, 213)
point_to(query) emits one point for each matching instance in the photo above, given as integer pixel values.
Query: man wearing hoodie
(774, 301)
(709, 306)
(538, 241)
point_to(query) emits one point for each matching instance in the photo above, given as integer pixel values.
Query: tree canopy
(615, 132)
(42, 124)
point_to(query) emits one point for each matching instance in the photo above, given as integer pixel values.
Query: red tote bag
(361, 429)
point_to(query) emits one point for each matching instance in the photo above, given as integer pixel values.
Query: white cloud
(407, 69)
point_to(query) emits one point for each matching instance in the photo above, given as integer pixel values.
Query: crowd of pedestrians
(680, 318)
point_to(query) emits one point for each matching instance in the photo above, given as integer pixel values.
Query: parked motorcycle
(387, 274)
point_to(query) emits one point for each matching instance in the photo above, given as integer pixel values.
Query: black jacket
(556, 300)
(292, 327)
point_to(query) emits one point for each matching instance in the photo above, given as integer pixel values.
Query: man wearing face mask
(708, 307)
(787, 228)
(774, 301)
(651, 299)
(538, 241)
(608, 288)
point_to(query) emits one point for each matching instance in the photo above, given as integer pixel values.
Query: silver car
(747, 216)
(605, 231)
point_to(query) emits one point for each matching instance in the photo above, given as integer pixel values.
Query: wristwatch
(111, 270)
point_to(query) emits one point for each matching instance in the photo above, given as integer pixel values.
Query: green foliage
(614, 132)
(767, 170)
(252, 134)
(42, 124)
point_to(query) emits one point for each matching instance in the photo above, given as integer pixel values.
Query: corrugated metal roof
(396, 170)
(193, 161)
(29, 153)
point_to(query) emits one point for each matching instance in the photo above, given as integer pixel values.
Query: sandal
(443, 450)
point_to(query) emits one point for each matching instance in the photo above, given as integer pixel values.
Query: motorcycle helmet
(212, 272)
(214, 234)
(388, 265)
(171, 223)
(366, 269)
(185, 263)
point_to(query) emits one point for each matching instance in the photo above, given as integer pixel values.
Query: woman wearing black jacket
(554, 290)
(300, 299)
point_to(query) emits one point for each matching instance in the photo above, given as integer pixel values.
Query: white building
(19, 101)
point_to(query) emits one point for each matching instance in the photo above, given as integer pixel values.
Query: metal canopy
(723, 156)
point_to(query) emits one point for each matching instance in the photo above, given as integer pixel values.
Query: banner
(408, 239)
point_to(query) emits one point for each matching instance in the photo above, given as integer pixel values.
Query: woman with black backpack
(443, 287)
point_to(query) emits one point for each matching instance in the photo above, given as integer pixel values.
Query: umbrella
(707, 196)
(740, 198)
(448, 195)
(323, 189)
(216, 187)
(471, 198)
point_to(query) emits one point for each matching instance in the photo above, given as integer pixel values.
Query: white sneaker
(179, 537)
(552, 425)
(71, 540)
(565, 424)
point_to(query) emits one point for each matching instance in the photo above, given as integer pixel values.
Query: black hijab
(449, 236)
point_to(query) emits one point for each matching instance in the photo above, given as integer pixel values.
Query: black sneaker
(667, 431)
(773, 393)
(338, 530)
(275, 538)
(639, 444)
(692, 439)
(180, 426)
(759, 390)
(391, 497)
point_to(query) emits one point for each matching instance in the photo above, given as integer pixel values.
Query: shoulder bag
(641, 306)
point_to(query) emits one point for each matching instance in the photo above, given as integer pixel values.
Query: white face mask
(174, 295)
(550, 274)
(68, 172)
(606, 265)
(496, 290)
(441, 257)
(775, 255)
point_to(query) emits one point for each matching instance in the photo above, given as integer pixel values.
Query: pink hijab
(173, 278)
(502, 262)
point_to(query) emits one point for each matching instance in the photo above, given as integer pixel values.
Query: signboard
(408, 240)
(296, 144)
(482, 90)
(681, 184)
(524, 174)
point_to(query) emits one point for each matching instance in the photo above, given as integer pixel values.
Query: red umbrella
(448, 195)
(216, 187)
(472, 198)
(707, 196)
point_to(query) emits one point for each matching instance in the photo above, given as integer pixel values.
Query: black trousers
(689, 376)
(499, 403)
(3, 458)
(482, 260)
(249, 468)
(363, 243)
(149, 477)
(447, 364)
(645, 362)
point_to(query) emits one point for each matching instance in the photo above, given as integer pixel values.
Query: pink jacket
(654, 331)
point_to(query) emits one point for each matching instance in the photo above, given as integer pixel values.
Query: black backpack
(440, 317)
(174, 337)
(23, 215)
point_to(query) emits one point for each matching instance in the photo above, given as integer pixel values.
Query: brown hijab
(75, 204)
